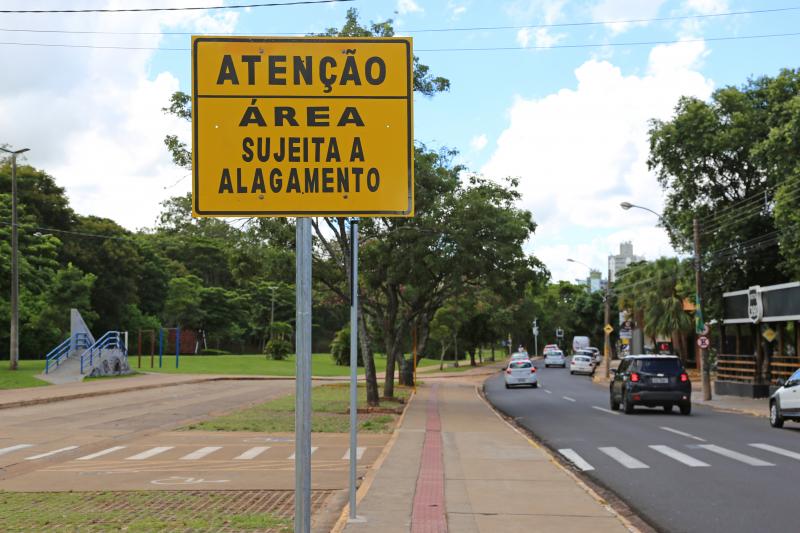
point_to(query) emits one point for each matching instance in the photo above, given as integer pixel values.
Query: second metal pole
(302, 414)
(353, 362)
(14, 350)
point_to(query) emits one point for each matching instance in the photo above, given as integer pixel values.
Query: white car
(555, 358)
(520, 356)
(784, 404)
(597, 355)
(581, 364)
(521, 372)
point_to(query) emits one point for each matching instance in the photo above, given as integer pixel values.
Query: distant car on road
(521, 372)
(579, 343)
(520, 356)
(784, 404)
(581, 364)
(596, 354)
(651, 380)
(550, 348)
(555, 358)
(589, 353)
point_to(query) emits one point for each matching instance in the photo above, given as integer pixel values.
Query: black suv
(651, 380)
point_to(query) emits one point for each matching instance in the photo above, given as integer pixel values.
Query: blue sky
(570, 122)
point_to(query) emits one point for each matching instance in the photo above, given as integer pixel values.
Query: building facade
(619, 262)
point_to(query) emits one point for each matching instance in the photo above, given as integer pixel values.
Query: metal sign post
(353, 363)
(302, 412)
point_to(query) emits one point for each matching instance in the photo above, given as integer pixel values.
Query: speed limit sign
(703, 342)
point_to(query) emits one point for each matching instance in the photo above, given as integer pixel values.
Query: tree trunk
(493, 352)
(480, 354)
(455, 350)
(423, 334)
(370, 375)
(441, 356)
(471, 352)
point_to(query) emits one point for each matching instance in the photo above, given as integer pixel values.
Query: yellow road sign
(608, 329)
(302, 126)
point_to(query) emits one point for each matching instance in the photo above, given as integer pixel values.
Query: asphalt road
(707, 472)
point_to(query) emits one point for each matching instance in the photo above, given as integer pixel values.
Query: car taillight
(634, 377)
(684, 377)
(533, 369)
(508, 371)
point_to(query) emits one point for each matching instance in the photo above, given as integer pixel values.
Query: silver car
(555, 358)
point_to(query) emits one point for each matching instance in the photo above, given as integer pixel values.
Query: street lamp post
(14, 349)
(698, 277)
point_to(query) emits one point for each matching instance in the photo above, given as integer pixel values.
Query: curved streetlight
(706, 379)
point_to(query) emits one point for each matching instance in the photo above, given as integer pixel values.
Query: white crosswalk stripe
(10, 449)
(568, 398)
(575, 459)
(199, 454)
(149, 453)
(681, 457)
(736, 456)
(622, 458)
(359, 453)
(779, 451)
(252, 453)
(681, 433)
(48, 454)
(313, 449)
(100, 453)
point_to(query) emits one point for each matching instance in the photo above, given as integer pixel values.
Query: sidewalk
(456, 465)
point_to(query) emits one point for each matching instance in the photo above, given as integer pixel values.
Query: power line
(473, 49)
(69, 232)
(443, 30)
(151, 9)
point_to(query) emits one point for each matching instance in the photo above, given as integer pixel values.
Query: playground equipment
(80, 354)
(161, 346)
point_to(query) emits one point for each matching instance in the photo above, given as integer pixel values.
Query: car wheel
(775, 418)
(686, 408)
(613, 404)
(627, 403)
(535, 385)
(667, 408)
(508, 386)
(571, 372)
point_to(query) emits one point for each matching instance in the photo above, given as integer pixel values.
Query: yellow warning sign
(608, 329)
(302, 126)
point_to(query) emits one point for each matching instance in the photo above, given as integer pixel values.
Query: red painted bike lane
(428, 511)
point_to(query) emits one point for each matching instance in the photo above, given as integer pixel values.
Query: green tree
(183, 302)
(279, 346)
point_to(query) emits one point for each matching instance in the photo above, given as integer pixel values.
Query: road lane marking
(682, 433)
(609, 411)
(622, 458)
(313, 449)
(10, 449)
(779, 451)
(48, 454)
(547, 391)
(359, 453)
(742, 458)
(568, 398)
(199, 454)
(252, 453)
(149, 453)
(100, 453)
(575, 459)
(681, 457)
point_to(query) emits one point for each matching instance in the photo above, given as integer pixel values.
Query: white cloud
(542, 38)
(580, 152)
(92, 117)
(408, 6)
(550, 12)
(479, 142)
(707, 7)
(607, 10)
(456, 9)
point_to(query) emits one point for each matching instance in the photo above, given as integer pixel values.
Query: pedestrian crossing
(178, 453)
(694, 456)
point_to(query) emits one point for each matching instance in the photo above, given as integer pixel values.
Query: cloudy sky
(570, 121)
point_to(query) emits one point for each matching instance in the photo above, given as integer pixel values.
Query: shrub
(278, 347)
(340, 348)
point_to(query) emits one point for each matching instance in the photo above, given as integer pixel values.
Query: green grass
(134, 511)
(23, 376)
(329, 407)
(321, 365)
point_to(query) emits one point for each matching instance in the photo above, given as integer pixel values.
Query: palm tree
(663, 303)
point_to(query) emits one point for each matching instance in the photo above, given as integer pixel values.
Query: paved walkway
(457, 466)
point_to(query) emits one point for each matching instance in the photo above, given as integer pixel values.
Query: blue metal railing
(60, 352)
(110, 340)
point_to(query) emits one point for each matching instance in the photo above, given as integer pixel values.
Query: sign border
(409, 211)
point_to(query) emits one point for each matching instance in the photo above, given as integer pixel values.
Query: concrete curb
(369, 477)
(644, 528)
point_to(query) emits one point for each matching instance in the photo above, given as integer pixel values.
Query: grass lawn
(132, 511)
(329, 408)
(23, 376)
(321, 365)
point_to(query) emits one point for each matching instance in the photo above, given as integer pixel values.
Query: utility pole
(535, 337)
(14, 349)
(698, 311)
(607, 343)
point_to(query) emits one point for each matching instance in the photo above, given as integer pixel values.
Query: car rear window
(520, 364)
(659, 366)
(580, 358)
